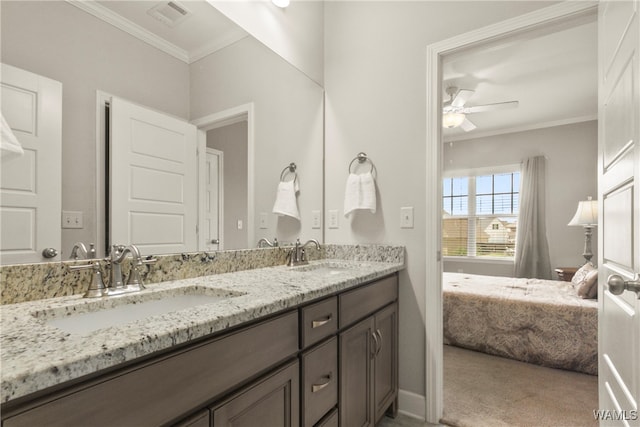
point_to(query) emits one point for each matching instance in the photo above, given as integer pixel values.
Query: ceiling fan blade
(467, 125)
(491, 107)
(461, 97)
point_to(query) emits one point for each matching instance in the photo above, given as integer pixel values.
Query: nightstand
(566, 273)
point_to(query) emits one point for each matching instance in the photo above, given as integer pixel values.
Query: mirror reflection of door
(153, 180)
(231, 138)
(30, 183)
(213, 200)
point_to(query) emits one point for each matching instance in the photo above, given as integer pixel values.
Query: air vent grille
(170, 13)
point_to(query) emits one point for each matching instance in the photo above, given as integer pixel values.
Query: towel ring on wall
(361, 158)
(289, 169)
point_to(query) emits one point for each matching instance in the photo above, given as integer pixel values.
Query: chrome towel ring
(361, 158)
(289, 169)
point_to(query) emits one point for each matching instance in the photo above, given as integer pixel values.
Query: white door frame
(220, 154)
(223, 118)
(433, 292)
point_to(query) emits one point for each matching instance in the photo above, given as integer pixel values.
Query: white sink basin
(117, 311)
(325, 268)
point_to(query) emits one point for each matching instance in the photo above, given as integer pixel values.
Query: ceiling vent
(170, 13)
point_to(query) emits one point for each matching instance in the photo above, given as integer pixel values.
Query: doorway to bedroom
(519, 154)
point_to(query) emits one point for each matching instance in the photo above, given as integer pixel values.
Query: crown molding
(525, 128)
(215, 46)
(133, 29)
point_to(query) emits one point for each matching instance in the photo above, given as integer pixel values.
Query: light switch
(72, 219)
(406, 217)
(315, 219)
(240, 224)
(333, 219)
(263, 220)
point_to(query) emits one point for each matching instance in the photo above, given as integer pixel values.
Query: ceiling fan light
(281, 3)
(452, 119)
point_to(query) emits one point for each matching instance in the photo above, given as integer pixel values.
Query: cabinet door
(385, 363)
(356, 375)
(273, 401)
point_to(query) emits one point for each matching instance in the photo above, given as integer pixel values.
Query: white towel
(9, 144)
(360, 193)
(286, 202)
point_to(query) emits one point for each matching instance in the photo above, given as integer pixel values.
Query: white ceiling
(552, 75)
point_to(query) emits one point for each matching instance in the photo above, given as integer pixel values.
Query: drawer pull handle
(317, 387)
(320, 322)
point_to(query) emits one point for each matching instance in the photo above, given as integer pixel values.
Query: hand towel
(360, 193)
(9, 144)
(286, 203)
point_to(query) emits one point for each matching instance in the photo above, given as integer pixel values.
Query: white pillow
(582, 273)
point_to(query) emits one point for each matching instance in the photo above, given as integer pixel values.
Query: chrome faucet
(116, 284)
(268, 243)
(80, 248)
(297, 255)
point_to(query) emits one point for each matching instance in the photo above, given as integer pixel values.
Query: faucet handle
(97, 287)
(134, 282)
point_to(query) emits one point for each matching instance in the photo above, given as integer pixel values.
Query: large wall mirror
(254, 112)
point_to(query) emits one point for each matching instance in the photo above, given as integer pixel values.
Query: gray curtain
(532, 249)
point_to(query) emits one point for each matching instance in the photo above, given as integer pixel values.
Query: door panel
(30, 184)
(618, 178)
(154, 182)
(356, 375)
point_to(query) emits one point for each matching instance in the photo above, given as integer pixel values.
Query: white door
(30, 184)
(153, 180)
(213, 200)
(619, 202)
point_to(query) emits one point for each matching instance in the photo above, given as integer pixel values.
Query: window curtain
(532, 249)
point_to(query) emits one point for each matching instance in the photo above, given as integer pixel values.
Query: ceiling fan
(454, 112)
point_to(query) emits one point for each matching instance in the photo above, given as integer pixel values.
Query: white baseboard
(411, 404)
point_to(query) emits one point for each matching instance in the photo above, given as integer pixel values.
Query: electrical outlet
(240, 225)
(406, 217)
(333, 219)
(263, 220)
(315, 219)
(72, 219)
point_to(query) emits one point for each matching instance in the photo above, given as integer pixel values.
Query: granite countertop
(36, 355)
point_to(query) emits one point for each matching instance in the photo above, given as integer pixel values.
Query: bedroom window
(480, 217)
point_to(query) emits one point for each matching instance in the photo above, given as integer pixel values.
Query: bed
(536, 321)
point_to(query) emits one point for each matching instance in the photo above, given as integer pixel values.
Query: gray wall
(85, 54)
(375, 80)
(232, 141)
(571, 153)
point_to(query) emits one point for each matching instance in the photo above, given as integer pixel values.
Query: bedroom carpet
(483, 390)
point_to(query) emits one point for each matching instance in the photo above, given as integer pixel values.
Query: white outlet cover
(333, 218)
(315, 219)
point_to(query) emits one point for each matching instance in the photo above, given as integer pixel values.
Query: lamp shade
(587, 213)
(452, 119)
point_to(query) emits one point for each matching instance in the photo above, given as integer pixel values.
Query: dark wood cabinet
(356, 375)
(385, 362)
(273, 401)
(333, 361)
(369, 357)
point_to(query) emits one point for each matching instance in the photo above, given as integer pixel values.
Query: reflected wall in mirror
(59, 41)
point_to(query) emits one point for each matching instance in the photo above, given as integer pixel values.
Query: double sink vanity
(310, 345)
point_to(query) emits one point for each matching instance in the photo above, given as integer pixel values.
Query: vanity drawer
(158, 392)
(318, 321)
(357, 304)
(330, 420)
(319, 382)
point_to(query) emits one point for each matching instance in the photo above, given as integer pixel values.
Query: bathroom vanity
(314, 345)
